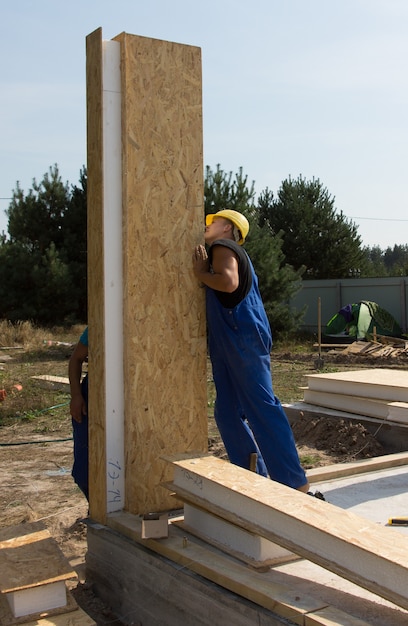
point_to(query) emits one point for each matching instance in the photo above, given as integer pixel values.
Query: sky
(311, 88)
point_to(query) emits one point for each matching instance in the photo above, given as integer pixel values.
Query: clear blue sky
(317, 88)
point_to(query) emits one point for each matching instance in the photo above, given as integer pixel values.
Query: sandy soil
(37, 486)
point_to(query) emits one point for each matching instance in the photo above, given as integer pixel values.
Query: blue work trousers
(249, 416)
(80, 435)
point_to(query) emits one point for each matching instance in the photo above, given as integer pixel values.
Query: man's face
(220, 228)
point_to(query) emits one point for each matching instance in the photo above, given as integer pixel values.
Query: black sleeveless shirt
(230, 300)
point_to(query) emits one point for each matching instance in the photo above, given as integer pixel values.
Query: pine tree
(314, 234)
(43, 262)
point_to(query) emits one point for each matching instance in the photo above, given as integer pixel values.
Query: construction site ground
(37, 482)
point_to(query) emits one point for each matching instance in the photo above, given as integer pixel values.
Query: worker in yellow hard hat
(239, 221)
(249, 416)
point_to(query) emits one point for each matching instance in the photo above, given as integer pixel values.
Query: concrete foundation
(184, 580)
(144, 588)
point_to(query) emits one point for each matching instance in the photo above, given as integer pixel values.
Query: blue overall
(249, 416)
(80, 435)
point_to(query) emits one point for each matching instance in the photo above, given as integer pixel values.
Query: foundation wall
(145, 588)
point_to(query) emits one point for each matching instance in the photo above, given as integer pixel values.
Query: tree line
(296, 234)
(43, 261)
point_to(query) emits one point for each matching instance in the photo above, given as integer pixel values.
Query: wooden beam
(74, 618)
(340, 470)
(296, 603)
(354, 548)
(52, 382)
(96, 279)
(332, 345)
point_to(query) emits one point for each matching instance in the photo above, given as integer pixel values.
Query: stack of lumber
(380, 347)
(378, 393)
(383, 350)
(33, 575)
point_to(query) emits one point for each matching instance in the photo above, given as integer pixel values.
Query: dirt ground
(37, 484)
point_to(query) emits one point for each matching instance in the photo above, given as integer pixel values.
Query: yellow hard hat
(239, 220)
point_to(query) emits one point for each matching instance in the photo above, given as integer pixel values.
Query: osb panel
(164, 311)
(97, 411)
(30, 557)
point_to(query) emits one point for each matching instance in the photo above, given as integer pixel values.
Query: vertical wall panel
(164, 338)
(164, 319)
(96, 278)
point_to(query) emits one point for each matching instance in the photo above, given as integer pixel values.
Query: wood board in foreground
(356, 549)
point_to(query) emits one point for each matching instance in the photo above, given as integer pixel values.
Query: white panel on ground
(385, 384)
(353, 404)
(398, 412)
(37, 599)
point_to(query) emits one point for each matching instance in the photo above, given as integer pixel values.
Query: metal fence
(389, 293)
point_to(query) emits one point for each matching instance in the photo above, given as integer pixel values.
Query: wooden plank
(374, 349)
(208, 562)
(286, 600)
(337, 540)
(340, 470)
(24, 540)
(330, 616)
(74, 618)
(96, 294)
(163, 307)
(395, 341)
(332, 345)
(24, 530)
(356, 347)
(30, 560)
(53, 382)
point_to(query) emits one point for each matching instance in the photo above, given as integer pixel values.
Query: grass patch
(309, 460)
(33, 351)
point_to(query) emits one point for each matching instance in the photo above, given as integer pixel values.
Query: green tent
(356, 321)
